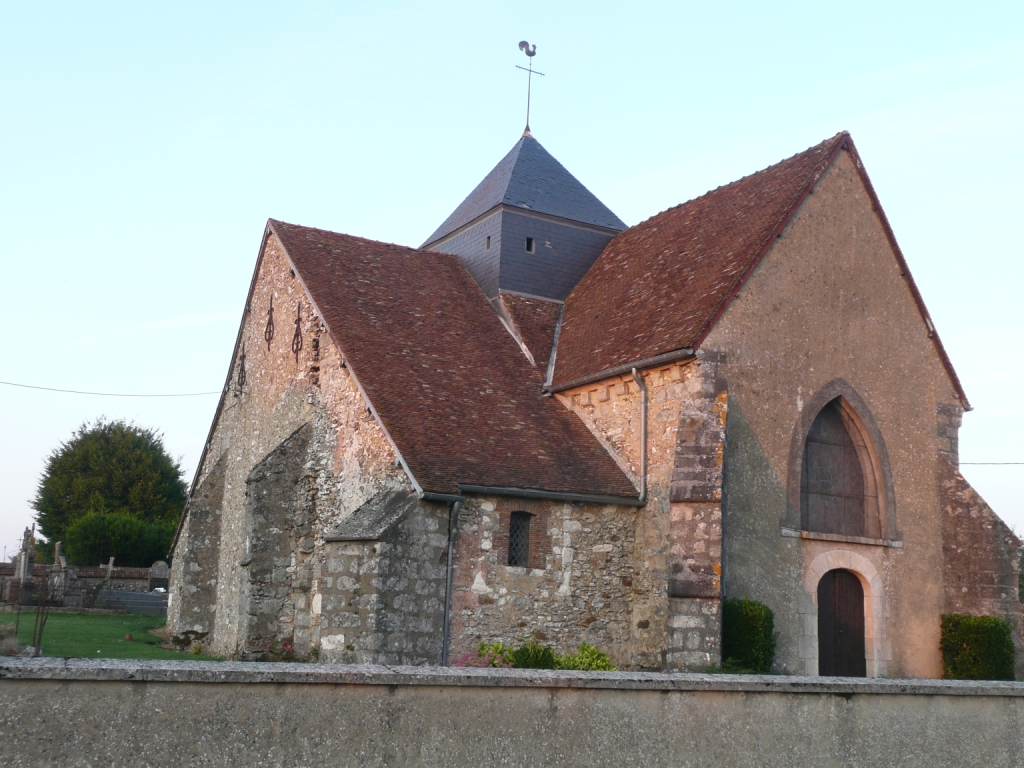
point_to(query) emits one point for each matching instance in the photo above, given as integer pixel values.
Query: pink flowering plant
(486, 655)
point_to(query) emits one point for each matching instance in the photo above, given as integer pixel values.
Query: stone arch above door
(878, 647)
(861, 415)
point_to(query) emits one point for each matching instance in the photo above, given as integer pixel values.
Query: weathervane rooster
(530, 51)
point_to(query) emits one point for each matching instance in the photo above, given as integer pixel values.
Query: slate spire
(529, 227)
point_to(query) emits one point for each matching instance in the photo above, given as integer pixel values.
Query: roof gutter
(619, 370)
(536, 493)
(453, 531)
(639, 379)
(447, 498)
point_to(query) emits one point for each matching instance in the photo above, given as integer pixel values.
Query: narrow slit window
(487, 243)
(519, 540)
(530, 247)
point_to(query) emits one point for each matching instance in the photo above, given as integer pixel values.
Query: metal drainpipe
(639, 379)
(453, 529)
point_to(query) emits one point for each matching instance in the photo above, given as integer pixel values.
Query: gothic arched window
(837, 485)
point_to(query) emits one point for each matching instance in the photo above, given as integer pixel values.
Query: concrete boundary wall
(83, 712)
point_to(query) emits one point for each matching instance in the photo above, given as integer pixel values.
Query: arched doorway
(841, 625)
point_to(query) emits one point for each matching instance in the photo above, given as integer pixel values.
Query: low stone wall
(78, 586)
(83, 712)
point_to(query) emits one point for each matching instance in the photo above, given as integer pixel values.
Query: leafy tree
(96, 537)
(110, 469)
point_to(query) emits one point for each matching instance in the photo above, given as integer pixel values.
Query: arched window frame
(873, 454)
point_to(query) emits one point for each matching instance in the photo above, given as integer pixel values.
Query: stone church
(545, 424)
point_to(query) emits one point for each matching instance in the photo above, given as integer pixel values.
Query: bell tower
(530, 227)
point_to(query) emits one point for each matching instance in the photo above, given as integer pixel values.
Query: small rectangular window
(487, 243)
(529, 245)
(519, 540)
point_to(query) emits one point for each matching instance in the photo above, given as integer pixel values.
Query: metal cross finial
(530, 51)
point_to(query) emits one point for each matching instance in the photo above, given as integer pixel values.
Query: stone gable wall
(350, 459)
(829, 302)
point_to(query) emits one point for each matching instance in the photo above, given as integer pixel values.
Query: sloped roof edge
(351, 372)
(843, 141)
(588, 346)
(905, 272)
(529, 178)
(223, 393)
(374, 517)
(425, 489)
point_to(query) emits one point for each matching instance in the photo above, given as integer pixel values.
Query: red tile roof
(535, 321)
(660, 286)
(456, 394)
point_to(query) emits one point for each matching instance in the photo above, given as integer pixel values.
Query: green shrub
(748, 636)
(587, 657)
(533, 655)
(976, 648)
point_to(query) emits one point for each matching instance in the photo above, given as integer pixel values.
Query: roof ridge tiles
(722, 232)
(720, 187)
(356, 237)
(719, 238)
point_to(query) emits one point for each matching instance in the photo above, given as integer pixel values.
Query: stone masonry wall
(580, 591)
(278, 520)
(676, 622)
(349, 603)
(130, 712)
(192, 603)
(290, 380)
(981, 557)
(382, 602)
(950, 417)
(830, 303)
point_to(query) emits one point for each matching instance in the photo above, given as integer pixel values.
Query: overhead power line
(994, 463)
(105, 394)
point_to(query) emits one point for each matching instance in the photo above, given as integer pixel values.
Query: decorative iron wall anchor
(268, 332)
(297, 338)
(241, 369)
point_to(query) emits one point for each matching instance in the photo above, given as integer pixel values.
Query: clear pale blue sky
(143, 147)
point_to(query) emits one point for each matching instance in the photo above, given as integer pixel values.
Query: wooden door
(841, 625)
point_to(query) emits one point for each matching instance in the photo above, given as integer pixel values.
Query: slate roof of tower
(529, 177)
(449, 383)
(660, 286)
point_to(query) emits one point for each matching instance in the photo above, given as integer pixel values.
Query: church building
(546, 424)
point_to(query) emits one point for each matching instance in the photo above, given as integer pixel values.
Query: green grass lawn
(97, 635)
